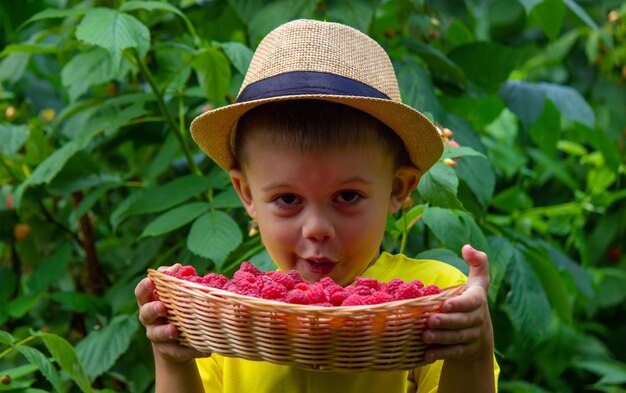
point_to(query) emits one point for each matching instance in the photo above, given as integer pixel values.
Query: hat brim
(212, 130)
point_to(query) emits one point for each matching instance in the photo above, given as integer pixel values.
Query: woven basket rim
(205, 291)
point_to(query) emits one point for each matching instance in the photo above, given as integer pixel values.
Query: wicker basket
(378, 337)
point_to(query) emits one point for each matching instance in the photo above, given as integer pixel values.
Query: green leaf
(416, 87)
(12, 67)
(226, 199)
(439, 185)
(29, 48)
(81, 302)
(550, 14)
(7, 338)
(462, 151)
(92, 198)
(175, 218)
(22, 304)
(526, 304)
(99, 351)
(165, 196)
(446, 226)
(554, 167)
(214, 235)
(213, 71)
(487, 75)
(8, 283)
(51, 269)
(113, 31)
(551, 282)
(611, 371)
(579, 12)
(87, 69)
(569, 103)
(529, 4)
(38, 359)
(64, 354)
(546, 131)
(238, 54)
(355, 13)
(501, 252)
(447, 256)
(54, 13)
(276, 13)
(438, 63)
(13, 138)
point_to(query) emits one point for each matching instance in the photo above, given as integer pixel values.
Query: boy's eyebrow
(354, 179)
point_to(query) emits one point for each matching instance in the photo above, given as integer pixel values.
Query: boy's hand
(153, 316)
(462, 330)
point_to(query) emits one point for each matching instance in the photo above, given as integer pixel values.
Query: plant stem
(23, 341)
(166, 114)
(405, 233)
(89, 245)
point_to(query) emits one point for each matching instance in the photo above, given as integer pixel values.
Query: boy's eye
(348, 197)
(287, 200)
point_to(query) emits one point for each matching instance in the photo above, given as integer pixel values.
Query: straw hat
(308, 59)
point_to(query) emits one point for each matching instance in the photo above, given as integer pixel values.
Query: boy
(320, 149)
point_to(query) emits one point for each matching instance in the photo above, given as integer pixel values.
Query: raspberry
(363, 291)
(338, 297)
(393, 285)
(315, 295)
(296, 296)
(249, 288)
(326, 282)
(195, 279)
(273, 292)
(186, 271)
(380, 297)
(417, 283)
(214, 280)
(282, 278)
(367, 282)
(296, 276)
(241, 276)
(250, 268)
(431, 290)
(354, 300)
(331, 289)
(407, 291)
(301, 286)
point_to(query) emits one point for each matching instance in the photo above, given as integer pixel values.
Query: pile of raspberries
(291, 287)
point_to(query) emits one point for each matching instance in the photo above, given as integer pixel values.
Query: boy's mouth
(319, 265)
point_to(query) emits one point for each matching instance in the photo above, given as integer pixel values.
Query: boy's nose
(318, 228)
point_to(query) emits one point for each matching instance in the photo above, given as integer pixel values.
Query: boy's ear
(404, 181)
(240, 183)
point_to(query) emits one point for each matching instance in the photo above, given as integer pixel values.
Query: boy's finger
(162, 333)
(144, 291)
(479, 266)
(150, 312)
(173, 269)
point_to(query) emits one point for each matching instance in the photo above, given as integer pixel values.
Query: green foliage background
(99, 179)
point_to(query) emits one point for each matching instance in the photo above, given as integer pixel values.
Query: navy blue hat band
(307, 83)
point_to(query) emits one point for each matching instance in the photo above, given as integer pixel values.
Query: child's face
(322, 214)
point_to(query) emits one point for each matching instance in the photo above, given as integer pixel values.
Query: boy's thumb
(479, 266)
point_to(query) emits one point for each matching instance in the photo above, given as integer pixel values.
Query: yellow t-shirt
(234, 375)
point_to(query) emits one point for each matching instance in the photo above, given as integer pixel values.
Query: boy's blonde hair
(317, 126)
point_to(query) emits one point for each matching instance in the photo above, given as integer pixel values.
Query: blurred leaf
(487, 75)
(99, 351)
(81, 302)
(54, 13)
(611, 371)
(226, 199)
(168, 195)
(275, 13)
(579, 12)
(238, 54)
(87, 69)
(610, 289)
(7, 338)
(462, 151)
(13, 138)
(12, 67)
(156, 6)
(213, 70)
(526, 304)
(550, 14)
(439, 185)
(512, 199)
(554, 167)
(565, 263)
(35, 357)
(23, 304)
(51, 269)
(501, 253)
(355, 13)
(64, 354)
(214, 235)
(175, 218)
(246, 9)
(416, 87)
(113, 31)
(545, 132)
(8, 283)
